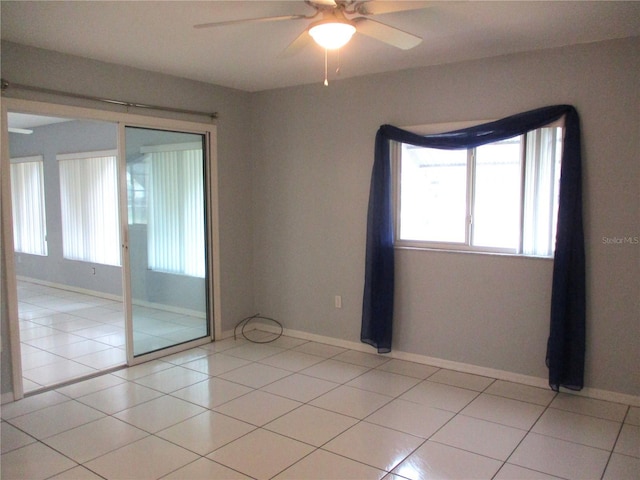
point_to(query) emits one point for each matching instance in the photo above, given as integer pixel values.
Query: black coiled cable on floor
(244, 322)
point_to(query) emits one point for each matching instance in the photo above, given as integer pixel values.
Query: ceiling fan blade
(387, 34)
(250, 20)
(380, 7)
(295, 47)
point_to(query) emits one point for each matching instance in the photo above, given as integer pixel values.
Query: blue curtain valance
(566, 343)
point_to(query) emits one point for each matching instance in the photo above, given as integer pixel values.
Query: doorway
(64, 199)
(123, 293)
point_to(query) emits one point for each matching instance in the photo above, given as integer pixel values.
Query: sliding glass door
(166, 244)
(116, 240)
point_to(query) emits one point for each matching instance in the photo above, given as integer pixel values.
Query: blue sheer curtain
(566, 343)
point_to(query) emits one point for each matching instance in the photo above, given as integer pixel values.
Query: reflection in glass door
(167, 237)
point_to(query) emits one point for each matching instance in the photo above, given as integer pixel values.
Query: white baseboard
(608, 396)
(71, 288)
(117, 298)
(6, 397)
(169, 308)
(532, 381)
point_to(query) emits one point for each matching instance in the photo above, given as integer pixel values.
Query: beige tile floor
(294, 409)
(65, 335)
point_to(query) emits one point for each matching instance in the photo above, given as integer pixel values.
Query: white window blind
(89, 204)
(541, 190)
(28, 206)
(175, 209)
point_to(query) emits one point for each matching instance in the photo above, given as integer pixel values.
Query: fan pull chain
(339, 64)
(326, 81)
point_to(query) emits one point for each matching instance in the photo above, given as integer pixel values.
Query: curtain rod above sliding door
(6, 85)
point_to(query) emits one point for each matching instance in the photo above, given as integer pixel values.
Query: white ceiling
(28, 121)
(159, 35)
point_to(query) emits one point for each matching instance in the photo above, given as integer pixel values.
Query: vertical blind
(176, 216)
(28, 206)
(89, 207)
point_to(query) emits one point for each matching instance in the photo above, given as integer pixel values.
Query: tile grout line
(452, 418)
(308, 403)
(530, 430)
(363, 420)
(262, 427)
(604, 471)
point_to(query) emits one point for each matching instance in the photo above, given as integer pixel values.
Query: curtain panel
(566, 344)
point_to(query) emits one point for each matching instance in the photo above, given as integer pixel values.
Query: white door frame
(121, 119)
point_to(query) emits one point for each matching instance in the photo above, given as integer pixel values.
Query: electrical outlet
(338, 301)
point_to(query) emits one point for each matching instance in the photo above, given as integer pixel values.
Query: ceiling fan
(337, 20)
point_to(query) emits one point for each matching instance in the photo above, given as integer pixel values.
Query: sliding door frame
(209, 130)
(8, 258)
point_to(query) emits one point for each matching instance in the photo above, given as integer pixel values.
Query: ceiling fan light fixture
(332, 34)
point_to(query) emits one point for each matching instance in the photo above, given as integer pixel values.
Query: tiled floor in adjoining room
(65, 335)
(294, 409)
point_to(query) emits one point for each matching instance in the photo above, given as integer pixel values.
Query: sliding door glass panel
(166, 210)
(66, 247)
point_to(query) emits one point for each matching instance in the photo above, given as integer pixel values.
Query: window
(89, 205)
(27, 197)
(498, 197)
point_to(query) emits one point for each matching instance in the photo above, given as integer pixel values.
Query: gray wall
(313, 152)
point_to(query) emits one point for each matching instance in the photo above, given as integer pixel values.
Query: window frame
(466, 246)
